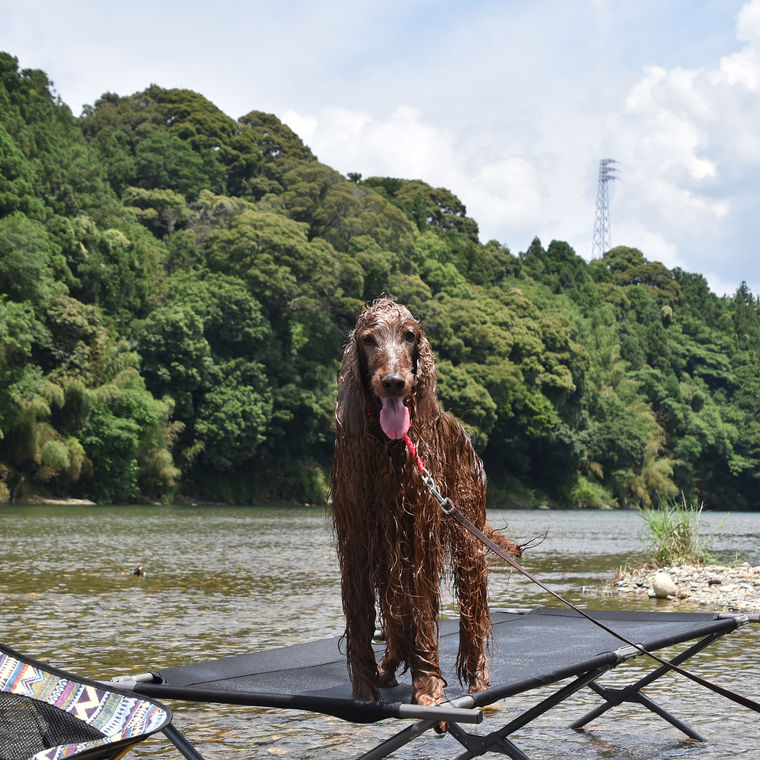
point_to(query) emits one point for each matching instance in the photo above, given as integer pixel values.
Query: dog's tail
(504, 543)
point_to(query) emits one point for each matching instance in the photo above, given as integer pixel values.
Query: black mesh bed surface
(530, 649)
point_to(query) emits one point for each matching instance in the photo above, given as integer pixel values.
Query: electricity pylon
(601, 241)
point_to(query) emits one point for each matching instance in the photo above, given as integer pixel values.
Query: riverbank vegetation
(176, 286)
(674, 536)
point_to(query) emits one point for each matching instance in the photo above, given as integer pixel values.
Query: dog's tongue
(394, 417)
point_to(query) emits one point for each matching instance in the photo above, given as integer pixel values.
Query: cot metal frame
(319, 668)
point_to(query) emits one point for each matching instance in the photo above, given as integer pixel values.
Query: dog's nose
(393, 382)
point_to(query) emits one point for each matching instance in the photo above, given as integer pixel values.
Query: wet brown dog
(394, 542)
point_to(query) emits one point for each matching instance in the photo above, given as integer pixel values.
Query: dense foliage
(176, 286)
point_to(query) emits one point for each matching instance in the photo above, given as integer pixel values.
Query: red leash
(413, 452)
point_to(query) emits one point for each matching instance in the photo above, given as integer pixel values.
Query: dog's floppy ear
(351, 410)
(426, 398)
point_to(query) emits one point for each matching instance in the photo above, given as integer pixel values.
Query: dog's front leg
(427, 680)
(360, 628)
(471, 587)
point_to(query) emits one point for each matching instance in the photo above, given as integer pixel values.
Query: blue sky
(509, 104)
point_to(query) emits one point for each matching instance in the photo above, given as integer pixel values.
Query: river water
(227, 580)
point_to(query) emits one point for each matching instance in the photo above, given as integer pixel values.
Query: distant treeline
(176, 287)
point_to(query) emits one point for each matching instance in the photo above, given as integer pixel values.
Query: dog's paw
(365, 692)
(387, 678)
(386, 672)
(480, 680)
(479, 685)
(366, 695)
(428, 690)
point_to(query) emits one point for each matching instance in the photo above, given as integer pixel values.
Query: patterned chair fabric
(47, 714)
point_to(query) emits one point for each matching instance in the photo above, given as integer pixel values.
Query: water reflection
(223, 581)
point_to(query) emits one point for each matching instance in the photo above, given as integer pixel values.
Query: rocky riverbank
(714, 587)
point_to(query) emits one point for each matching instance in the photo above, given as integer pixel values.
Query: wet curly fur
(394, 542)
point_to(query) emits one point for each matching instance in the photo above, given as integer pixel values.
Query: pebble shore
(714, 587)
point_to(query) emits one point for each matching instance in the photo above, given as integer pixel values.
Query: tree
(128, 438)
(746, 317)
(25, 254)
(165, 161)
(629, 267)
(429, 207)
(234, 415)
(176, 356)
(17, 180)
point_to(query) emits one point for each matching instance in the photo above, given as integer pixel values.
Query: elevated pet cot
(532, 649)
(47, 714)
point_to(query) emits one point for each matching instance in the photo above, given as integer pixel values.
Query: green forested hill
(176, 287)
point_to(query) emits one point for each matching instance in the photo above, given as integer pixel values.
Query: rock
(663, 586)
(737, 589)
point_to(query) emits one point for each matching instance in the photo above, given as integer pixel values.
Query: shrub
(673, 537)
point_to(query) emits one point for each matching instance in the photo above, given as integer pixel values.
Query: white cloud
(691, 162)
(399, 145)
(743, 67)
(505, 192)
(748, 23)
(508, 105)
(656, 246)
(500, 191)
(686, 138)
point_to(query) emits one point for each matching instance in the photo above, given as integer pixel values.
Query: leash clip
(446, 504)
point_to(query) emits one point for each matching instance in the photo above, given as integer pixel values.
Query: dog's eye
(368, 341)
(409, 336)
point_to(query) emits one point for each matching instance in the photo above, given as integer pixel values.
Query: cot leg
(182, 744)
(412, 732)
(497, 741)
(399, 740)
(633, 693)
(477, 746)
(680, 725)
(614, 697)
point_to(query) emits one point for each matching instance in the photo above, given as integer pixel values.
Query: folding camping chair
(48, 714)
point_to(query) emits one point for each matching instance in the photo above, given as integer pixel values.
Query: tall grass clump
(674, 537)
